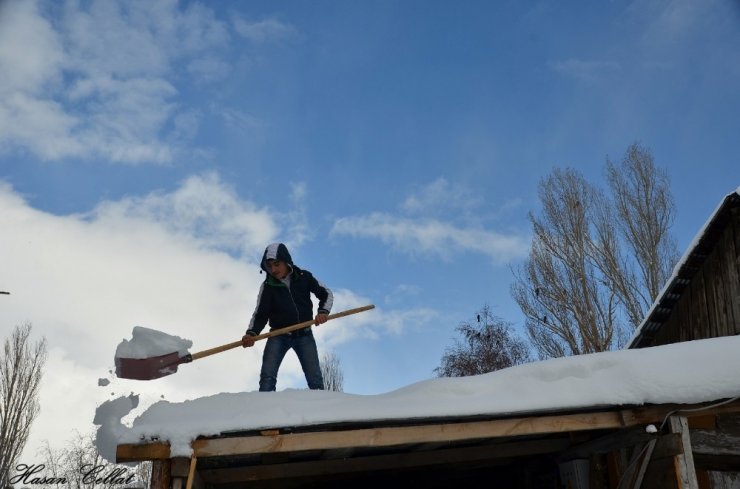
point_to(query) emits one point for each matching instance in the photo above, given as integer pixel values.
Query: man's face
(278, 269)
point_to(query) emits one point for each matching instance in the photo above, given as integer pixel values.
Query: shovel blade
(148, 368)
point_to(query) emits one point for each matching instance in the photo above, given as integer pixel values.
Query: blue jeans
(304, 346)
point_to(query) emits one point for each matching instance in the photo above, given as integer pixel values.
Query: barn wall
(710, 306)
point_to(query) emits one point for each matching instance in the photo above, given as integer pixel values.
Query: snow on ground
(689, 372)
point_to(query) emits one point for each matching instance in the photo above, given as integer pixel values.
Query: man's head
(277, 252)
(278, 268)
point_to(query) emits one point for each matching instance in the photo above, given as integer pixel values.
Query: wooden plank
(733, 270)
(661, 474)
(668, 446)
(630, 472)
(161, 478)
(711, 272)
(395, 436)
(139, 452)
(717, 463)
(684, 462)
(703, 422)
(644, 463)
(624, 438)
(180, 467)
(615, 466)
(656, 414)
(713, 442)
(722, 285)
(191, 473)
(698, 308)
(406, 460)
(682, 316)
(702, 477)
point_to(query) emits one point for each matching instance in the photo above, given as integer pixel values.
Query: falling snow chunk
(103, 382)
(108, 416)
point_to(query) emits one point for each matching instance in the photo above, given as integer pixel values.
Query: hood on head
(276, 251)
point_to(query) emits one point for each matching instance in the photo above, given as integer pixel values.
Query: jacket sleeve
(261, 313)
(324, 294)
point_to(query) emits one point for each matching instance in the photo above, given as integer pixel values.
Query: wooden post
(184, 475)
(161, 474)
(191, 473)
(684, 462)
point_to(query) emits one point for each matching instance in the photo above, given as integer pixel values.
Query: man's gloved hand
(248, 340)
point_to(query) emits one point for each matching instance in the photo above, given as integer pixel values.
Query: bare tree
(331, 370)
(597, 262)
(21, 367)
(78, 465)
(487, 344)
(642, 201)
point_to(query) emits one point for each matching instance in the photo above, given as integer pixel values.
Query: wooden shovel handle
(278, 331)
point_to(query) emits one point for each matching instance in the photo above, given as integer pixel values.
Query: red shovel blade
(149, 368)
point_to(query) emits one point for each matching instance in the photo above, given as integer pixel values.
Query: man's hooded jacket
(287, 302)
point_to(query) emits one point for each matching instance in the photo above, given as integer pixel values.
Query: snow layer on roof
(689, 372)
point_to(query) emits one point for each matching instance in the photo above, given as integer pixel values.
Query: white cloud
(441, 196)
(586, 70)
(239, 120)
(438, 219)
(666, 23)
(204, 211)
(268, 30)
(401, 293)
(208, 69)
(432, 237)
(101, 81)
(85, 280)
(23, 118)
(31, 54)
(298, 191)
(369, 325)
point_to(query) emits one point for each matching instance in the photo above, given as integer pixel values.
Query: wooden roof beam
(423, 433)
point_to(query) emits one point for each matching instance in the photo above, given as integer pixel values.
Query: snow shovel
(159, 366)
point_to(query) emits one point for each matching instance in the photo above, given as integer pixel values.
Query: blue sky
(150, 150)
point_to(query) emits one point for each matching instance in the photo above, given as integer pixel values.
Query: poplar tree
(598, 258)
(21, 365)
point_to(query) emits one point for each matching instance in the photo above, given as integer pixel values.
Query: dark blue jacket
(282, 305)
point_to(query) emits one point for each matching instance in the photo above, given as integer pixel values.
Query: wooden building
(702, 299)
(601, 447)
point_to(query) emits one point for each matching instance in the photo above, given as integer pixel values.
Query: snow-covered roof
(682, 373)
(684, 271)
